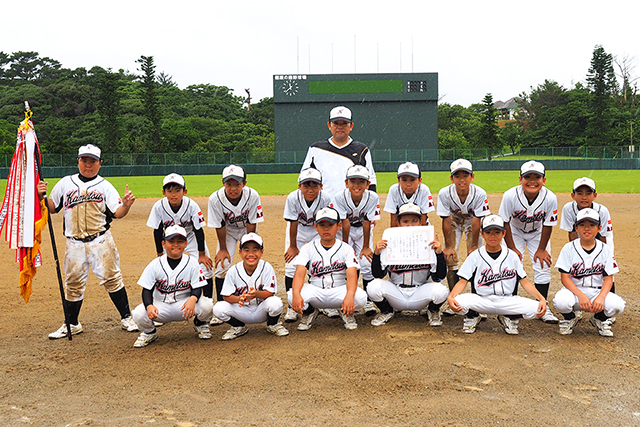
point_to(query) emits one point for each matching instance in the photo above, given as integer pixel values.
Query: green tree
(150, 97)
(108, 98)
(488, 137)
(601, 80)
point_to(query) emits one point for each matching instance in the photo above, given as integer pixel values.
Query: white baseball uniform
(237, 282)
(88, 211)
(587, 270)
(222, 213)
(367, 210)
(475, 205)
(171, 289)
(189, 217)
(493, 284)
(296, 209)
(422, 197)
(327, 272)
(526, 221)
(570, 212)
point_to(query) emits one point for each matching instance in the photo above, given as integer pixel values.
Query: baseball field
(402, 373)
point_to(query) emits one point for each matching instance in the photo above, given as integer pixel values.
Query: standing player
(461, 205)
(587, 267)
(234, 210)
(333, 156)
(359, 207)
(530, 211)
(409, 189)
(300, 211)
(90, 203)
(172, 290)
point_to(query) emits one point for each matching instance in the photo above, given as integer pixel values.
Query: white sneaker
(424, 311)
(235, 332)
(145, 339)
(578, 314)
(349, 321)
(204, 333)
(215, 321)
(434, 318)
(470, 324)
(278, 330)
(305, 322)
(128, 324)
(566, 326)
(510, 325)
(370, 309)
(603, 326)
(62, 331)
(381, 319)
(291, 315)
(548, 316)
(330, 312)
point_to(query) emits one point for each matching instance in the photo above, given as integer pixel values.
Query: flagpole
(53, 237)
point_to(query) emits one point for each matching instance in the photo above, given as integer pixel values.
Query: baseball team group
(329, 247)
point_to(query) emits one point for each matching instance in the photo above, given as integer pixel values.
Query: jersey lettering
(579, 271)
(231, 218)
(318, 269)
(164, 288)
(73, 198)
(488, 277)
(522, 216)
(407, 268)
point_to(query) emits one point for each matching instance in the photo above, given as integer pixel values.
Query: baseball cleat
(510, 325)
(434, 318)
(548, 316)
(62, 331)
(470, 323)
(278, 330)
(381, 319)
(424, 312)
(566, 326)
(305, 322)
(235, 332)
(204, 333)
(578, 314)
(349, 321)
(157, 324)
(145, 339)
(291, 315)
(129, 325)
(603, 326)
(370, 309)
(330, 312)
(215, 321)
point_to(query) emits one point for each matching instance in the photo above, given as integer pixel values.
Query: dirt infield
(403, 373)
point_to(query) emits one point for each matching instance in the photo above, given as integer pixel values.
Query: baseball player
(461, 205)
(178, 209)
(332, 268)
(530, 210)
(234, 210)
(89, 203)
(359, 207)
(494, 272)
(333, 156)
(409, 189)
(409, 287)
(587, 266)
(249, 292)
(299, 212)
(172, 290)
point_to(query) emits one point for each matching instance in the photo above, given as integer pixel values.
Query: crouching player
(410, 287)
(172, 290)
(333, 275)
(587, 266)
(249, 292)
(494, 272)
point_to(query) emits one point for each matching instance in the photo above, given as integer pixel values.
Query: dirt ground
(403, 373)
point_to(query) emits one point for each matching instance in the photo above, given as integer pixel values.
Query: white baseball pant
(171, 313)
(304, 235)
(415, 298)
(566, 301)
(328, 298)
(461, 226)
(249, 313)
(232, 240)
(541, 275)
(498, 304)
(192, 250)
(356, 240)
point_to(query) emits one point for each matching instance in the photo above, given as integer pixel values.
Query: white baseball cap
(461, 165)
(409, 168)
(358, 171)
(584, 181)
(409, 209)
(89, 150)
(327, 214)
(587, 214)
(532, 167)
(492, 221)
(173, 178)
(340, 113)
(234, 172)
(310, 174)
(173, 231)
(251, 237)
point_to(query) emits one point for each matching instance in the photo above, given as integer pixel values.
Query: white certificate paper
(408, 245)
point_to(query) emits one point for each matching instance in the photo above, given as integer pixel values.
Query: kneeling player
(494, 272)
(172, 290)
(333, 275)
(410, 287)
(249, 292)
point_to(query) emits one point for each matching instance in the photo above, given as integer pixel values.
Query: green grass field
(607, 181)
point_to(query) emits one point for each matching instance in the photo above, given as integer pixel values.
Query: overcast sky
(476, 47)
